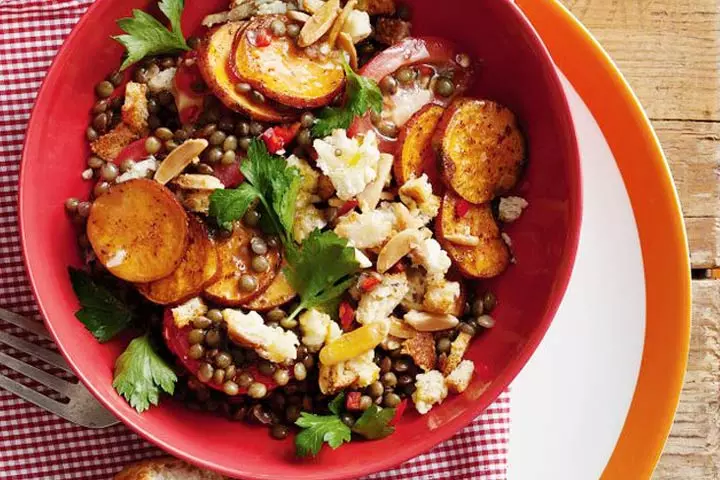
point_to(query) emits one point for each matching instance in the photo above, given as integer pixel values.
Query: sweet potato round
(278, 293)
(415, 136)
(490, 257)
(198, 268)
(213, 58)
(235, 261)
(138, 231)
(283, 71)
(481, 148)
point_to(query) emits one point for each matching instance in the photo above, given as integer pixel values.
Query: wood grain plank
(669, 50)
(691, 450)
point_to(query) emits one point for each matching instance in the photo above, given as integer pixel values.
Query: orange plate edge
(663, 240)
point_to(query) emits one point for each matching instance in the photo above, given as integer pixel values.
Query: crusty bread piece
(111, 144)
(135, 109)
(377, 7)
(421, 348)
(165, 468)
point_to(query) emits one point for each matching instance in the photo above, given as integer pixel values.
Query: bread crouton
(442, 297)
(197, 201)
(185, 313)
(109, 146)
(377, 7)
(459, 378)
(165, 468)
(135, 109)
(457, 352)
(390, 31)
(421, 348)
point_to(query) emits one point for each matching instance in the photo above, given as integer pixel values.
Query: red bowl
(516, 70)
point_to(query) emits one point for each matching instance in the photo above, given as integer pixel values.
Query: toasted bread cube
(457, 352)
(111, 144)
(421, 347)
(430, 390)
(185, 313)
(135, 109)
(377, 7)
(459, 378)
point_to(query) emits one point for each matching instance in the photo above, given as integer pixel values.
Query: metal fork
(82, 408)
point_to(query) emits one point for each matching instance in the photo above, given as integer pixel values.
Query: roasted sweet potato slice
(491, 256)
(213, 60)
(138, 230)
(481, 148)
(278, 293)
(283, 71)
(235, 261)
(415, 137)
(198, 268)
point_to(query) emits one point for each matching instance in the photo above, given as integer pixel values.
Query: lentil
(91, 134)
(444, 87)
(401, 365)
(293, 30)
(485, 321)
(163, 133)
(304, 138)
(213, 338)
(389, 85)
(266, 368)
(307, 120)
(277, 27)
(231, 388)
(217, 138)
(375, 390)
(490, 301)
(467, 328)
(230, 143)
(300, 371)
(205, 372)
(389, 379)
(196, 336)
(101, 188)
(95, 162)
(223, 360)
(257, 390)
(292, 413)
(256, 128)
(309, 362)
(230, 372)
(260, 264)
(258, 246)
(244, 143)
(213, 155)
(171, 145)
(104, 89)
(257, 96)
(248, 283)
(228, 158)
(281, 377)
(83, 209)
(405, 75)
(391, 400)
(201, 323)
(71, 204)
(243, 88)
(219, 376)
(288, 323)
(348, 419)
(365, 402)
(443, 345)
(388, 128)
(242, 129)
(100, 122)
(244, 380)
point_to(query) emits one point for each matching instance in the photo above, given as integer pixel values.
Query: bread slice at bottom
(165, 468)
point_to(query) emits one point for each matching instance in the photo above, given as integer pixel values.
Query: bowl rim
(448, 429)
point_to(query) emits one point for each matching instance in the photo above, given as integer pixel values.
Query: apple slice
(213, 61)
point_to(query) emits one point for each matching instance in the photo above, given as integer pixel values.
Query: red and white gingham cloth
(37, 445)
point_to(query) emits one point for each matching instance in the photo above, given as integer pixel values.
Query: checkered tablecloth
(37, 445)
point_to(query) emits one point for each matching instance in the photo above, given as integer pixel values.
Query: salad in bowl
(299, 210)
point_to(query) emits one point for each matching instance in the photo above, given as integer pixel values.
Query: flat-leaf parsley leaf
(141, 374)
(102, 313)
(145, 35)
(317, 430)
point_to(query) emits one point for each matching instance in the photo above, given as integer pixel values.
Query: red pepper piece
(352, 401)
(347, 316)
(399, 267)
(399, 410)
(229, 175)
(135, 152)
(262, 37)
(462, 207)
(369, 283)
(277, 137)
(347, 207)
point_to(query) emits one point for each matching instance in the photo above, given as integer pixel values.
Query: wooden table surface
(669, 50)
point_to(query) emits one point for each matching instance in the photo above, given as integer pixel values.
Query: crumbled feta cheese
(441, 297)
(163, 81)
(362, 259)
(405, 103)
(307, 218)
(139, 170)
(431, 256)
(459, 378)
(366, 230)
(185, 313)
(430, 390)
(355, 166)
(417, 195)
(377, 304)
(511, 208)
(318, 328)
(271, 343)
(87, 174)
(357, 26)
(271, 8)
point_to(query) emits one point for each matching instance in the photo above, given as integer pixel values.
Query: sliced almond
(463, 240)
(398, 246)
(340, 21)
(196, 181)
(319, 23)
(179, 159)
(369, 198)
(400, 329)
(312, 6)
(430, 322)
(298, 16)
(346, 44)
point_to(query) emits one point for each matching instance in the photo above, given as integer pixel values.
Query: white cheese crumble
(185, 313)
(140, 169)
(432, 257)
(351, 163)
(318, 329)
(511, 208)
(379, 303)
(405, 103)
(271, 343)
(357, 26)
(366, 230)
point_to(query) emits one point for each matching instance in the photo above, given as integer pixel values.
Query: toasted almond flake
(400, 329)
(397, 247)
(346, 44)
(340, 21)
(463, 240)
(298, 16)
(178, 159)
(319, 24)
(196, 181)
(369, 198)
(311, 6)
(430, 322)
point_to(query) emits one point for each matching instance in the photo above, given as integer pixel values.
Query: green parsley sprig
(373, 424)
(270, 180)
(145, 35)
(362, 95)
(141, 374)
(103, 314)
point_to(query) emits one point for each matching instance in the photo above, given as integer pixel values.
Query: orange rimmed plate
(598, 398)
